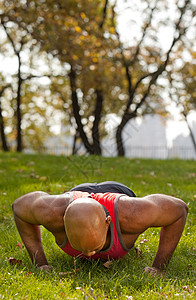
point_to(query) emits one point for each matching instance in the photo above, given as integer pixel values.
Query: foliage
(21, 98)
(182, 91)
(183, 84)
(71, 279)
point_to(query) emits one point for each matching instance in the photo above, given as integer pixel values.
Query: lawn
(75, 279)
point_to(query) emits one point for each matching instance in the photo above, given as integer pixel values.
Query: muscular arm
(28, 226)
(169, 238)
(173, 219)
(157, 210)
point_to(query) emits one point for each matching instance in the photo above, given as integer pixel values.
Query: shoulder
(48, 208)
(156, 202)
(23, 207)
(134, 205)
(157, 210)
(39, 207)
(134, 214)
(27, 200)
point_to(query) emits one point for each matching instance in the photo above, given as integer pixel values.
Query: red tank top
(117, 248)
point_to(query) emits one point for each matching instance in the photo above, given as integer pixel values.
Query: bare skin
(93, 224)
(135, 216)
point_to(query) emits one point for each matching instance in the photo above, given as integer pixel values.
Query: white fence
(154, 152)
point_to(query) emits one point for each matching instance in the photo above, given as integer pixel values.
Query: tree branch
(4, 88)
(104, 14)
(29, 77)
(180, 31)
(10, 39)
(133, 60)
(128, 75)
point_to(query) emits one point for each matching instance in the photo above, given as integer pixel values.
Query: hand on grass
(46, 268)
(152, 271)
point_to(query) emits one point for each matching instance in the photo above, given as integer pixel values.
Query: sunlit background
(98, 77)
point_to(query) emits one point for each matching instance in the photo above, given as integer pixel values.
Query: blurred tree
(182, 88)
(17, 51)
(146, 62)
(97, 73)
(5, 146)
(74, 32)
(22, 44)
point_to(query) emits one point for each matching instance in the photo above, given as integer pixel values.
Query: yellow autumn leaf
(108, 263)
(83, 16)
(98, 44)
(74, 57)
(112, 30)
(77, 29)
(43, 178)
(95, 60)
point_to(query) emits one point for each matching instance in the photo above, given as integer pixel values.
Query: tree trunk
(18, 110)
(18, 99)
(74, 150)
(18, 113)
(74, 147)
(76, 112)
(120, 147)
(190, 130)
(119, 142)
(95, 129)
(2, 131)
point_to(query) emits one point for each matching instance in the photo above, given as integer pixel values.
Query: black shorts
(104, 187)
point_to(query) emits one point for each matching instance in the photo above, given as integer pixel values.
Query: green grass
(125, 279)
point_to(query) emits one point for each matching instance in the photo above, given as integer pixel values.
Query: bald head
(86, 225)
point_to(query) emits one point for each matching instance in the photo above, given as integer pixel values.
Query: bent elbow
(14, 207)
(186, 209)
